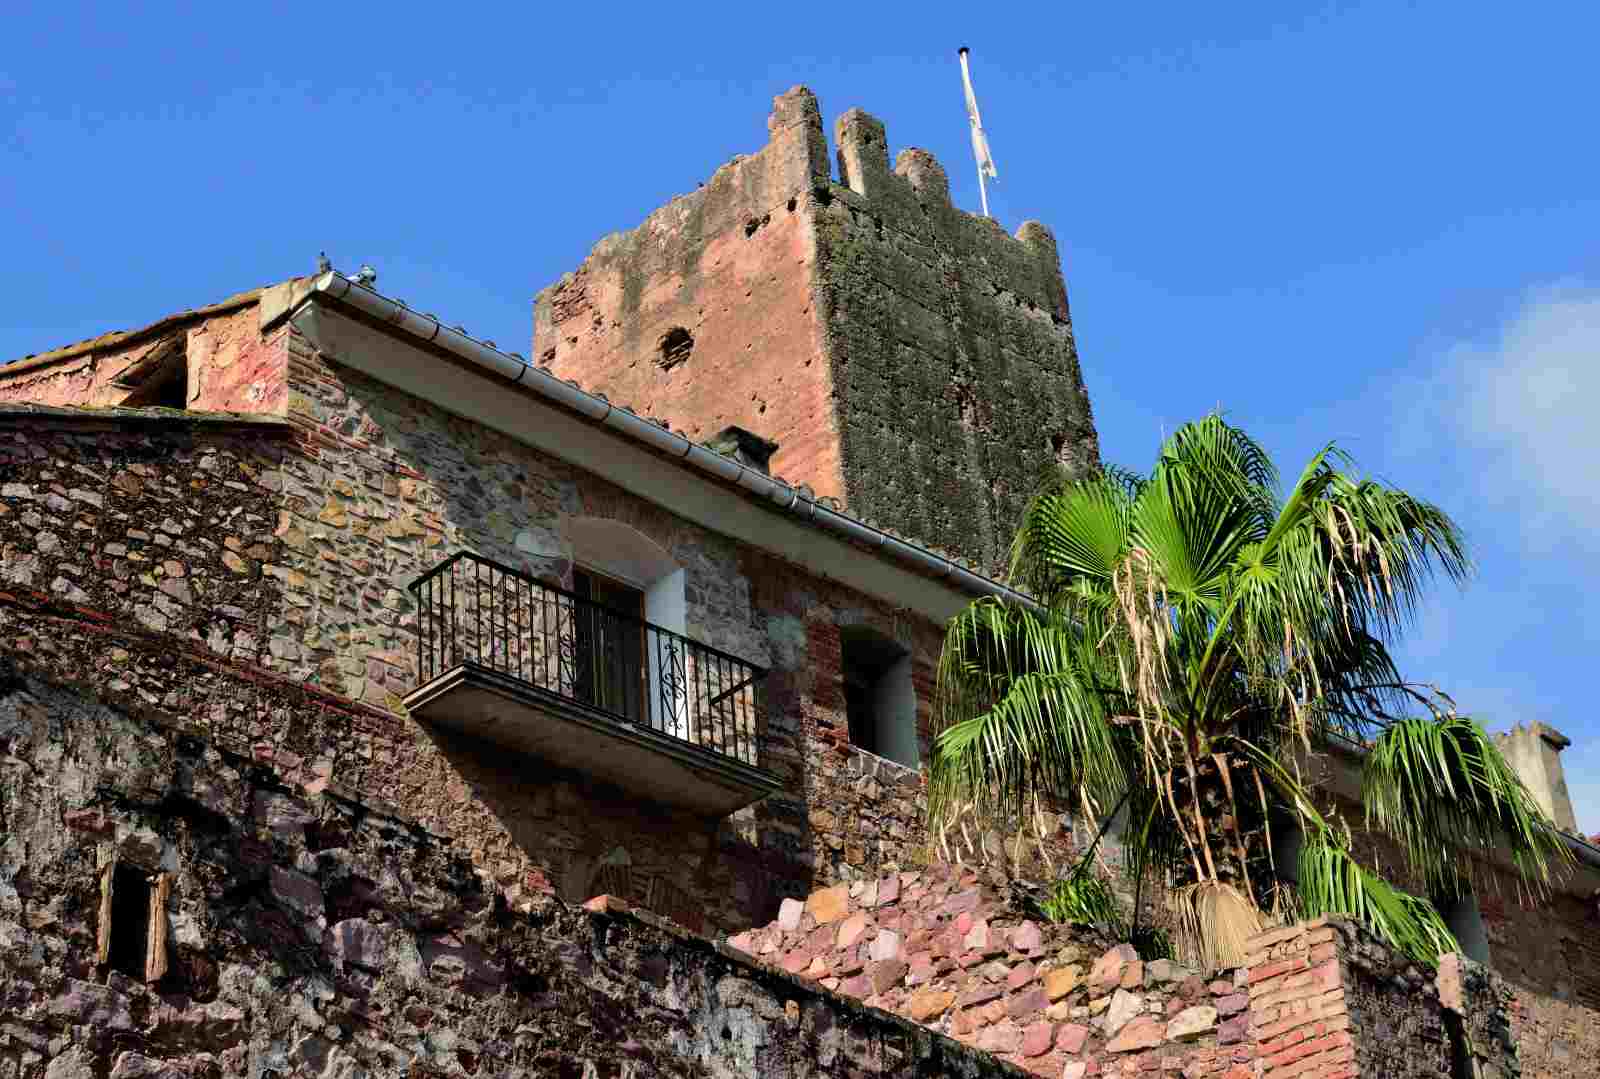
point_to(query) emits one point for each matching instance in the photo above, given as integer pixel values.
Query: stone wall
(1545, 946)
(315, 934)
(1548, 950)
(951, 351)
(1479, 1007)
(950, 948)
(946, 947)
(142, 549)
(857, 323)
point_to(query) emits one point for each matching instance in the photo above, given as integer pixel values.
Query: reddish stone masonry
(1321, 999)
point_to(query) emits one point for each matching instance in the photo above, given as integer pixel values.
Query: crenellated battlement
(855, 319)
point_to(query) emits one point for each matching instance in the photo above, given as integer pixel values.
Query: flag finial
(980, 142)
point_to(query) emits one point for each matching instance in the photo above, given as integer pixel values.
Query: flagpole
(977, 131)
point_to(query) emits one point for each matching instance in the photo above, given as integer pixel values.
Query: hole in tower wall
(1058, 442)
(673, 348)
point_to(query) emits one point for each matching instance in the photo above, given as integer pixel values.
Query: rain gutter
(514, 369)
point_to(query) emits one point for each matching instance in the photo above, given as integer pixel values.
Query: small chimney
(1535, 752)
(746, 447)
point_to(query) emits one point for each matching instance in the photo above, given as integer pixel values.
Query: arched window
(629, 579)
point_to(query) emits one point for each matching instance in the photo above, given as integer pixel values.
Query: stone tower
(910, 359)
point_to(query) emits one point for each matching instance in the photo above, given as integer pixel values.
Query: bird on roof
(323, 265)
(366, 277)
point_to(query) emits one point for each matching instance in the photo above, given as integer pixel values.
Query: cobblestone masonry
(137, 544)
(943, 946)
(313, 934)
(1323, 999)
(857, 323)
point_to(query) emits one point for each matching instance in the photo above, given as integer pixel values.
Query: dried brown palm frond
(1215, 922)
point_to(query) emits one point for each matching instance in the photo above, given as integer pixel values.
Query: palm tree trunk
(1228, 832)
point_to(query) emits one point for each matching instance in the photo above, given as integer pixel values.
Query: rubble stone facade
(908, 358)
(314, 934)
(284, 548)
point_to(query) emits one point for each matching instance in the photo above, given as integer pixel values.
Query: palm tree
(1196, 635)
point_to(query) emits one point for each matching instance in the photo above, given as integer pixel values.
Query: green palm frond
(1083, 898)
(1333, 882)
(1441, 787)
(1200, 612)
(1023, 713)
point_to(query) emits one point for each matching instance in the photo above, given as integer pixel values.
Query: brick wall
(857, 323)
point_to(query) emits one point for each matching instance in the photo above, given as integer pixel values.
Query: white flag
(980, 142)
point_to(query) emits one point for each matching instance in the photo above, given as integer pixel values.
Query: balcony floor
(653, 765)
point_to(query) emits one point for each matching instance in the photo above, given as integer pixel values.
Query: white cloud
(1517, 418)
(1529, 405)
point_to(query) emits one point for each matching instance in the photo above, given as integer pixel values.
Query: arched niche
(621, 551)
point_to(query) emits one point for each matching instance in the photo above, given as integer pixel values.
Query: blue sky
(1376, 223)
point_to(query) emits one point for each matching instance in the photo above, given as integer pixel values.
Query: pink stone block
(1232, 1004)
(1025, 1005)
(1026, 938)
(886, 973)
(1037, 1039)
(1020, 975)
(1071, 1037)
(886, 945)
(789, 915)
(850, 930)
(1001, 1038)
(977, 938)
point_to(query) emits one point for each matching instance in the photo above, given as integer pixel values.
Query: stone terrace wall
(316, 935)
(1322, 999)
(943, 947)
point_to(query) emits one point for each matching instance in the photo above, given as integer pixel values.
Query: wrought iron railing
(474, 612)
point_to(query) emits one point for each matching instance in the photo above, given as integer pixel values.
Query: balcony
(558, 677)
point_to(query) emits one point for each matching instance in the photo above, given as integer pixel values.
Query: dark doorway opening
(130, 921)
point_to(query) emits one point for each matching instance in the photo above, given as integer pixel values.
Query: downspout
(516, 370)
